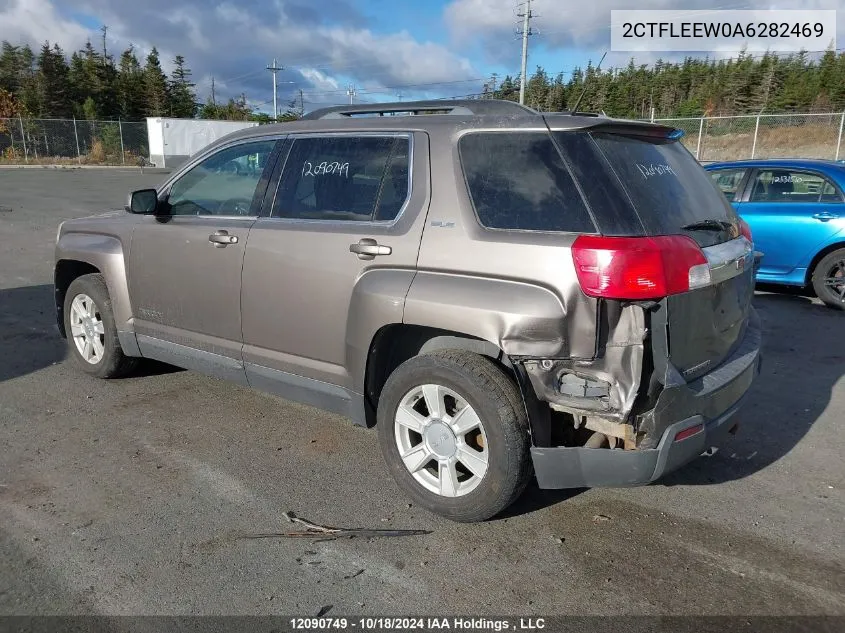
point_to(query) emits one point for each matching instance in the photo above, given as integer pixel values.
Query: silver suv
(497, 290)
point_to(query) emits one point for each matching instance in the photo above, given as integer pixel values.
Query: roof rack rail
(465, 107)
(571, 113)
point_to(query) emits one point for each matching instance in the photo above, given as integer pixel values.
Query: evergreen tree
(89, 109)
(89, 77)
(28, 93)
(155, 87)
(183, 100)
(130, 86)
(53, 83)
(11, 71)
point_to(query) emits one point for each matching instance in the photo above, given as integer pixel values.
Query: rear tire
(460, 423)
(829, 279)
(91, 331)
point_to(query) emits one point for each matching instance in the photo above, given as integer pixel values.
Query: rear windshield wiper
(708, 225)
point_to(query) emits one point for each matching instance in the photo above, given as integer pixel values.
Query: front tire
(91, 331)
(454, 433)
(829, 279)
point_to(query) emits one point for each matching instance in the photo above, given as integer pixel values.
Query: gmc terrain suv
(497, 290)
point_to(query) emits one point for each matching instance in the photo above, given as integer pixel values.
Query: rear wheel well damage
(393, 344)
(65, 272)
(595, 402)
(549, 425)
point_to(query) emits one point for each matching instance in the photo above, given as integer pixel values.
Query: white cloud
(233, 40)
(581, 25)
(320, 80)
(34, 21)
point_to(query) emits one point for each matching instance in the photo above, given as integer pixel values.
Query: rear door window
(518, 181)
(791, 185)
(344, 178)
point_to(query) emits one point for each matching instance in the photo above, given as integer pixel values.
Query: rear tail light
(745, 230)
(637, 268)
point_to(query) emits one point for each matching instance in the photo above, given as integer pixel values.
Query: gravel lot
(127, 497)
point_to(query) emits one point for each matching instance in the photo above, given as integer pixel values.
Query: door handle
(824, 216)
(221, 238)
(368, 248)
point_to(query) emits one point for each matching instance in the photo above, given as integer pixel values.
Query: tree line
(695, 87)
(91, 84)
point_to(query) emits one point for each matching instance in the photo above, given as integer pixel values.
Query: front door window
(222, 184)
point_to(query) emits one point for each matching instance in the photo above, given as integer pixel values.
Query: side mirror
(143, 201)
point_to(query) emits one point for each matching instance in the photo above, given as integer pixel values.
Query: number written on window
(784, 185)
(344, 178)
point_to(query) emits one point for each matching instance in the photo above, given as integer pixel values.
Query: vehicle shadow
(29, 340)
(534, 499)
(804, 296)
(803, 358)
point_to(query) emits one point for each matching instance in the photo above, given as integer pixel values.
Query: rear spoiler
(563, 122)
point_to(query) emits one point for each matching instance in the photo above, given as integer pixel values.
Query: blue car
(796, 211)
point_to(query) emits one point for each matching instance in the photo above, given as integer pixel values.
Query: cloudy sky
(386, 48)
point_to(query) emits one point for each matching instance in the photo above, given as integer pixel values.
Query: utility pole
(399, 95)
(104, 29)
(275, 69)
(301, 104)
(352, 93)
(213, 99)
(526, 31)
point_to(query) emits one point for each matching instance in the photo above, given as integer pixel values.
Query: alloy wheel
(835, 279)
(441, 440)
(87, 329)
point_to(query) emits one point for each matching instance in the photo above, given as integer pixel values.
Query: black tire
(113, 363)
(497, 401)
(825, 270)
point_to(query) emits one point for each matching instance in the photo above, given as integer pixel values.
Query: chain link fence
(68, 141)
(72, 141)
(763, 136)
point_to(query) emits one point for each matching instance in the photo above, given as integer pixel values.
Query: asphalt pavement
(133, 496)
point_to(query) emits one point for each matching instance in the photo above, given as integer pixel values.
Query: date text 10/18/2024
(416, 624)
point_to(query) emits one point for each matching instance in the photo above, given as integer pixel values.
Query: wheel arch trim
(105, 254)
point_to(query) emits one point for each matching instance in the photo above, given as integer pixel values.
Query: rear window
(666, 185)
(518, 181)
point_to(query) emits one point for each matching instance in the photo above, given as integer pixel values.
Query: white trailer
(173, 141)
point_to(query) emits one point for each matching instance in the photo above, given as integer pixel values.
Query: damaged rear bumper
(709, 402)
